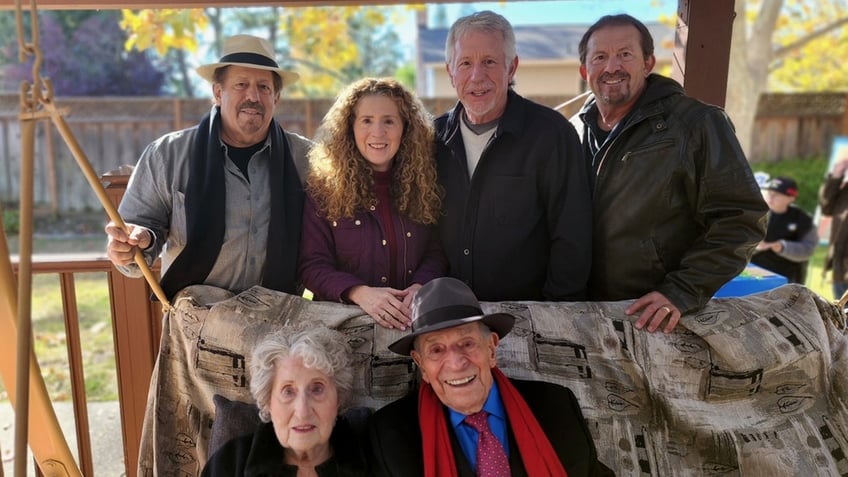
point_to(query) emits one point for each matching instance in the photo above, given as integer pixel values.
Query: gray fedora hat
(444, 303)
(251, 52)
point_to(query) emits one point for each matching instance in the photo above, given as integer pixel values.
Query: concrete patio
(104, 420)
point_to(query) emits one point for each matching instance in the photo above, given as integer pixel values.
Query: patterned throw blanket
(753, 386)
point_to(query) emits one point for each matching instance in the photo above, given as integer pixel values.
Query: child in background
(791, 236)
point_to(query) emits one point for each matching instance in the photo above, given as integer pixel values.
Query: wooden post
(51, 169)
(843, 130)
(137, 327)
(308, 127)
(178, 114)
(702, 48)
(24, 338)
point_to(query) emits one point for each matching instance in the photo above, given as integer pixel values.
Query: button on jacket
(520, 228)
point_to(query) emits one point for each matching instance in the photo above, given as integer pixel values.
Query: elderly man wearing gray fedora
(467, 418)
(221, 201)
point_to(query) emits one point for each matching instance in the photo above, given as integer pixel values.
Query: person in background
(467, 418)
(791, 236)
(221, 201)
(518, 216)
(300, 379)
(373, 202)
(677, 211)
(833, 200)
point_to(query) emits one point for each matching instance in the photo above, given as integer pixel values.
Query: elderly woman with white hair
(300, 379)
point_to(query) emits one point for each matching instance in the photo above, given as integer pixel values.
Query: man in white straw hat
(467, 418)
(221, 201)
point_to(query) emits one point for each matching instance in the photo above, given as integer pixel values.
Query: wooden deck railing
(137, 325)
(136, 329)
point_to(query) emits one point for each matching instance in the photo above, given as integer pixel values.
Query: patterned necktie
(491, 458)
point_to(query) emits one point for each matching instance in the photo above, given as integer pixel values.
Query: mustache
(252, 105)
(614, 76)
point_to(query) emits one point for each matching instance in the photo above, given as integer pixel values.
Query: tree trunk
(747, 78)
(186, 81)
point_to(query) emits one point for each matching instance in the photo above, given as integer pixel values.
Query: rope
(573, 100)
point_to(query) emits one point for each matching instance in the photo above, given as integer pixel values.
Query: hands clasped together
(390, 308)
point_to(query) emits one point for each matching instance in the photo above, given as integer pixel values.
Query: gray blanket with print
(753, 386)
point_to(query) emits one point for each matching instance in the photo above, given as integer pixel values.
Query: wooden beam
(702, 48)
(137, 5)
(702, 39)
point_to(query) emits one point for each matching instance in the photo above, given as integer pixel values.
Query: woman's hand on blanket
(386, 305)
(655, 308)
(411, 290)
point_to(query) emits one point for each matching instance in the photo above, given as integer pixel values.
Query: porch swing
(34, 414)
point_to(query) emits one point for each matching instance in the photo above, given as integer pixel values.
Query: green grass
(95, 325)
(43, 245)
(815, 281)
(50, 340)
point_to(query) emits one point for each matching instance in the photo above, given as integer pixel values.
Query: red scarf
(539, 457)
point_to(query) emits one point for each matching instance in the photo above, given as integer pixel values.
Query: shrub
(11, 222)
(808, 173)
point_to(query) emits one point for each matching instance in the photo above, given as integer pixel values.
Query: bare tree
(755, 54)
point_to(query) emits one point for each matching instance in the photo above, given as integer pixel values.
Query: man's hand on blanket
(655, 308)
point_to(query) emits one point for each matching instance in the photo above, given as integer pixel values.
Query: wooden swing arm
(46, 439)
(57, 117)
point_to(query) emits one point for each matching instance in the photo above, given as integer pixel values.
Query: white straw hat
(251, 52)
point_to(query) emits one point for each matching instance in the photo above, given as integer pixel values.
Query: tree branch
(785, 50)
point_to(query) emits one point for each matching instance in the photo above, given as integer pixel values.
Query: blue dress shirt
(467, 436)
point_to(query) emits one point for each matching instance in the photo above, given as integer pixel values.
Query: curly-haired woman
(372, 203)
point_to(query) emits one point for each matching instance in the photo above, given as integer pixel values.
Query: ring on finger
(667, 310)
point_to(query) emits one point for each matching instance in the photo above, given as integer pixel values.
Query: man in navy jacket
(518, 218)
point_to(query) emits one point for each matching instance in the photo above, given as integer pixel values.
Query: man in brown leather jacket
(677, 211)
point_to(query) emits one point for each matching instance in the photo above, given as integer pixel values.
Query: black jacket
(676, 207)
(520, 228)
(261, 455)
(396, 436)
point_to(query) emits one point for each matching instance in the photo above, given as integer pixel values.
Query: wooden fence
(114, 131)
(799, 125)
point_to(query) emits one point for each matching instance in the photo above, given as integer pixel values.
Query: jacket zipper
(610, 145)
(604, 158)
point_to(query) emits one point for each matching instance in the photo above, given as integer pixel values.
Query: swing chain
(41, 90)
